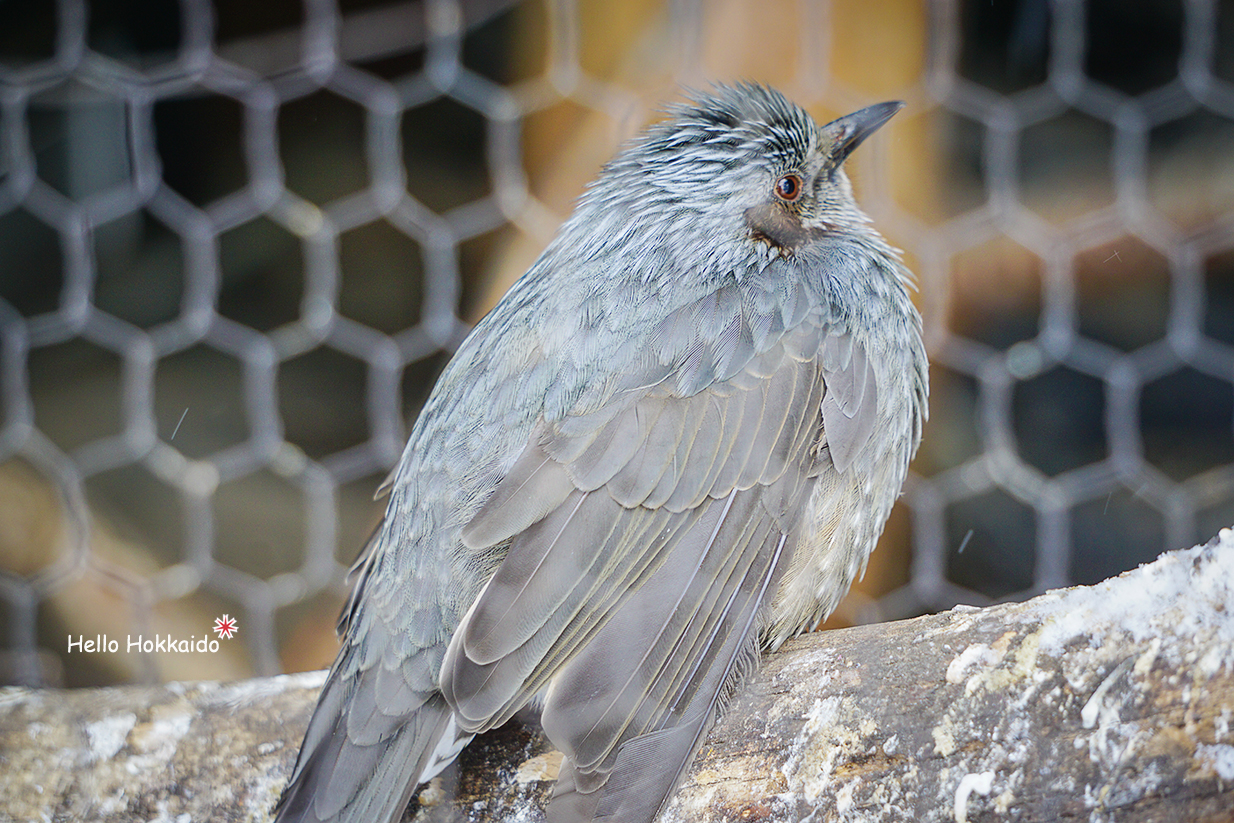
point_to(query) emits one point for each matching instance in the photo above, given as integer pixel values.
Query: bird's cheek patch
(776, 225)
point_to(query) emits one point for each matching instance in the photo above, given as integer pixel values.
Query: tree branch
(1111, 702)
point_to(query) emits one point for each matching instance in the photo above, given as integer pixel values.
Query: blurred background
(238, 240)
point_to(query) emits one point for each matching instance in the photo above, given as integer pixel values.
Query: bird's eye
(789, 187)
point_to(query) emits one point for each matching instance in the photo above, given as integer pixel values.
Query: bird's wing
(645, 535)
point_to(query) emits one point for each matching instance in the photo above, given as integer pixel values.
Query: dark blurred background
(238, 241)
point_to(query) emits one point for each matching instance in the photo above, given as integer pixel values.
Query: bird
(669, 447)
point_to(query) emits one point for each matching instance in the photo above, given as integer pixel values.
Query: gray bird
(675, 440)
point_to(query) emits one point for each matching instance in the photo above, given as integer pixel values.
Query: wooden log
(1105, 703)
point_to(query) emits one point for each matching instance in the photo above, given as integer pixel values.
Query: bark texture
(1105, 703)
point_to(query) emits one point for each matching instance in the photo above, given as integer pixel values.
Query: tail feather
(647, 769)
(575, 795)
(340, 780)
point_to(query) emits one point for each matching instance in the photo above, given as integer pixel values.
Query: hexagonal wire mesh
(238, 240)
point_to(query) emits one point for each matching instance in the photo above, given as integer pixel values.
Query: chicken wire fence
(238, 240)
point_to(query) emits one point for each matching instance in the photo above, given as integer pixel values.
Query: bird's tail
(363, 768)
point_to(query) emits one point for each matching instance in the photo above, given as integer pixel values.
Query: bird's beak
(849, 131)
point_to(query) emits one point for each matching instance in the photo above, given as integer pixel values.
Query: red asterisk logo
(226, 626)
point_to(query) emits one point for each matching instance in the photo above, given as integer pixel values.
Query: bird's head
(742, 162)
(803, 192)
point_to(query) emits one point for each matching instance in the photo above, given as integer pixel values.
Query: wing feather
(634, 482)
(692, 471)
(533, 585)
(614, 447)
(487, 694)
(780, 392)
(851, 404)
(733, 470)
(692, 421)
(533, 488)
